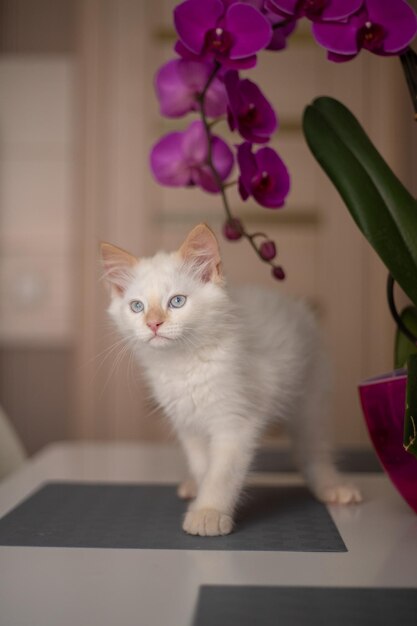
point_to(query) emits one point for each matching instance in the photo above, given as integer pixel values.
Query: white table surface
(112, 587)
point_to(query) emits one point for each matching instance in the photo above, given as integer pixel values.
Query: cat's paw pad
(207, 522)
(340, 494)
(187, 490)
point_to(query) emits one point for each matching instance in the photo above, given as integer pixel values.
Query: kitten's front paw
(207, 522)
(340, 494)
(187, 490)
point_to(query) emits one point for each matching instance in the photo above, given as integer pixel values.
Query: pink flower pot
(383, 404)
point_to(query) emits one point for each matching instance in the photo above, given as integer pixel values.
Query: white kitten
(223, 365)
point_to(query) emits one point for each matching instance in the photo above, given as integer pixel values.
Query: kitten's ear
(118, 266)
(200, 250)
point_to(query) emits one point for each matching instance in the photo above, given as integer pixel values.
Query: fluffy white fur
(222, 367)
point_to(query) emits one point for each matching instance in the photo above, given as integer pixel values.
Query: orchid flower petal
(251, 30)
(268, 161)
(167, 162)
(248, 168)
(340, 9)
(341, 38)
(280, 34)
(193, 19)
(263, 176)
(222, 158)
(316, 10)
(249, 110)
(194, 145)
(174, 93)
(397, 19)
(287, 7)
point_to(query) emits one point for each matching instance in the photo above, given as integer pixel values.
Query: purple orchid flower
(179, 159)
(282, 25)
(230, 32)
(249, 111)
(263, 176)
(281, 33)
(178, 84)
(314, 10)
(383, 27)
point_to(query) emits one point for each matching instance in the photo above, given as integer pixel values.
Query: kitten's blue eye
(177, 302)
(136, 306)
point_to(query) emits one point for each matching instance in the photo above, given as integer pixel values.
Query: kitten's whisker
(189, 342)
(111, 352)
(152, 412)
(132, 371)
(116, 364)
(108, 350)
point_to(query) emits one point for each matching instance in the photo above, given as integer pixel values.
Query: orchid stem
(409, 64)
(210, 163)
(215, 121)
(393, 310)
(222, 186)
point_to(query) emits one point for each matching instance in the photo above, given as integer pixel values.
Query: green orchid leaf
(410, 423)
(380, 205)
(399, 202)
(403, 346)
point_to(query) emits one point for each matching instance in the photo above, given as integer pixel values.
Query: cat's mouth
(155, 338)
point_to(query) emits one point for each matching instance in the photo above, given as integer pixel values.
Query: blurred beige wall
(37, 227)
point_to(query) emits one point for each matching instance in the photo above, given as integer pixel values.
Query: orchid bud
(267, 250)
(233, 229)
(278, 273)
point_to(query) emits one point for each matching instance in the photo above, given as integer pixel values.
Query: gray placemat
(150, 517)
(347, 460)
(305, 606)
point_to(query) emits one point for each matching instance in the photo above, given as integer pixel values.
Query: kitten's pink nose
(154, 325)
